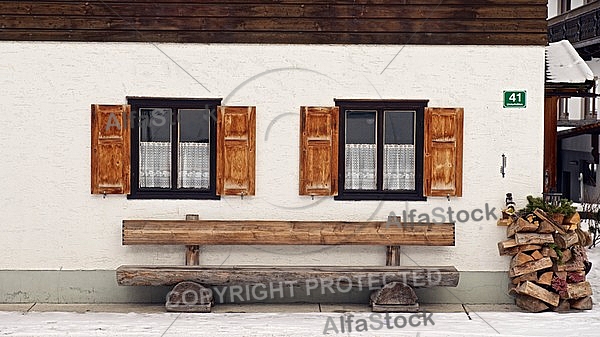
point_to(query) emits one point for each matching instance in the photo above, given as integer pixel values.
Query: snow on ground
(586, 323)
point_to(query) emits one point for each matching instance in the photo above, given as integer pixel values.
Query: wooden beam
(357, 277)
(205, 232)
(550, 142)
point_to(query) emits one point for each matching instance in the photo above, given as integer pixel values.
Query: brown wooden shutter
(443, 151)
(319, 150)
(236, 150)
(110, 149)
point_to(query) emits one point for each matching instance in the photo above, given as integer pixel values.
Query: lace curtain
(398, 170)
(155, 164)
(194, 169)
(361, 167)
(399, 167)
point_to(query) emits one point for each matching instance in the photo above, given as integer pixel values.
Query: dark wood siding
(509, 22)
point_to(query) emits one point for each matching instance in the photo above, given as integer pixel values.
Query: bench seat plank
(357, 276)
(208, 232)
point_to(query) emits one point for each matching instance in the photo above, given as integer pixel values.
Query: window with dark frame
(173, 148)
(381, 149)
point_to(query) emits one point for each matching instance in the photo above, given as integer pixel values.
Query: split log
(517, 249)
(533, 238)
(531, 304)
(566, 240)
(537, 255)
(585, 238)
(545, 278)
(527, 277)
(579, 290)
(504, 222)
(542, 215)
(572, 265)
(561, 274)
(563, 306)
(545, 228)
(549, 252)
(574, 219)
(530, 267)
(582, 303)
(520, 259)
(521, 225)
(533, 290)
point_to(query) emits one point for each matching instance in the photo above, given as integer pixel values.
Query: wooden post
(192, 252)
(393, 256)
(550, 143)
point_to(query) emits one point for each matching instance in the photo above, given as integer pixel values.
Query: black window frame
(380, 105)
(174, 104)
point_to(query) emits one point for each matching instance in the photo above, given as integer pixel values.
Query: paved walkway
(288, 320)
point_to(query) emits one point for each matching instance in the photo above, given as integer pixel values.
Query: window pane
(361, 150)
(194, 125)
(360, 127)
(399, 127)
(155, 148)
(399, 151)
(194, 148)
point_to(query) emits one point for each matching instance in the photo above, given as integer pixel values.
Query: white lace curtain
(361, 167)
(155, 165)
(398, 170)
(194, 169)
(399, 167)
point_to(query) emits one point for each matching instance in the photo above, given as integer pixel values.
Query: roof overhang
(567, 74)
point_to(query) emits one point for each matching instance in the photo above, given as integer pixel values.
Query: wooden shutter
(443, 151)
(236, 150)
(319, 150)
(110, 149)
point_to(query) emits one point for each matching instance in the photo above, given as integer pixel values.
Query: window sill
(357, 196)
(173, 195)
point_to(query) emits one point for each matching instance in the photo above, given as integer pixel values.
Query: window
(381, 149)
(564, 6)
(173, 148)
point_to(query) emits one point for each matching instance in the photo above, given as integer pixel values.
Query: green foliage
(565, 207)
(558, 251)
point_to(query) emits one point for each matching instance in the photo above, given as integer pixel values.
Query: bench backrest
(212, 232)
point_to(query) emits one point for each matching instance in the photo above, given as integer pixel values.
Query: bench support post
(392, 256)
(394, 297)
(189, 297)
(192, 252)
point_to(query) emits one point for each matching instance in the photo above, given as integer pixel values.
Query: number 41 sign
(515, 99)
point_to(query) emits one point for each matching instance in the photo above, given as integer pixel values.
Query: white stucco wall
(50, 221)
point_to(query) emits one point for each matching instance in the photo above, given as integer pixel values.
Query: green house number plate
(515, 99)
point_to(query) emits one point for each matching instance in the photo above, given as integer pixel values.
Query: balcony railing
(581, 26)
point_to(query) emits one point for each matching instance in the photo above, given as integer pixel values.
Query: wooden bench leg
(394, 297)
(189, 297)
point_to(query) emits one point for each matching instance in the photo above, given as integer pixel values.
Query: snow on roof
(564, 65)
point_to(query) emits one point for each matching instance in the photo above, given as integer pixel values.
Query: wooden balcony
(581, 26)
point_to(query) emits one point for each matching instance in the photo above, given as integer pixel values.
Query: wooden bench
(191, 281)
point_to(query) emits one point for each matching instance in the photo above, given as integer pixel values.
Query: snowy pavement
(296, 324)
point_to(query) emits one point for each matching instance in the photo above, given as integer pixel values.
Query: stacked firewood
(549, 262)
